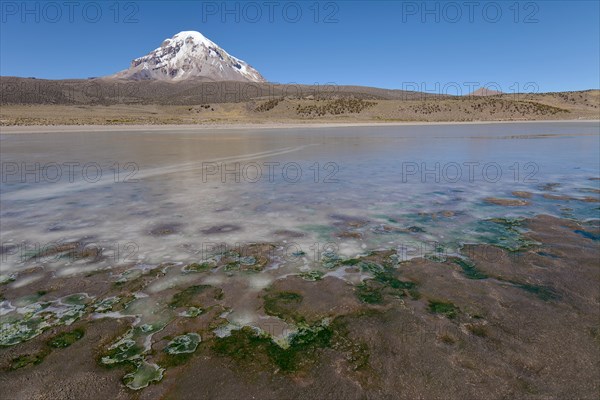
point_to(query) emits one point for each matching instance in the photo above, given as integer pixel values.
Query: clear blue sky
(553, 44)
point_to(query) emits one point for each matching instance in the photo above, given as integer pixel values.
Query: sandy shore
(9, 130)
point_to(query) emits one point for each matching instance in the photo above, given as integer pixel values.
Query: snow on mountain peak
(190, 54)
(194, 35)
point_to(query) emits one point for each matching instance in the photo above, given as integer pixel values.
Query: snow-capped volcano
(186, 55)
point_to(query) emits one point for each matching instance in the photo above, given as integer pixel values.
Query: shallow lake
(173, 195)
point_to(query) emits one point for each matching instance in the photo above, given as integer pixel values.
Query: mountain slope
(186, 55)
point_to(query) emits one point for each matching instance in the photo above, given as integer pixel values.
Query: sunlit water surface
(169, 196)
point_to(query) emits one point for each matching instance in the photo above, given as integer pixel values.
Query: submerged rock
(225, 228)
(506, 202)
(165, 229)
(522, 194)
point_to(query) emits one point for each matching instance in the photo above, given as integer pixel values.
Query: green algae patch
(435, 257)
(382, 266)
(187, 343)
(311, 276)
(253, 257)
(21, 330)
(367, 293)
(238, 339)
(149, 328)
(302, 347)
(506, 233)
(386, 278)
(185, 298)
(28, 301)
(371, 267)
(510, 223)
(78, 299)
(236, 265)
(330, 260)
(544, 293)
(242, 345)
(248, 346)
(199, 267)
(128, 352)
(26, 360)
(6, 279)
(35, 318)
(469, 269)
(232, 266)
(180, 349)
(192, 312)
(447, 309)
(126, 349)
(66, 339)
(372, 262)
(350, 261)
(123, 303)
(283, 305)
(106, 305)
(248, 260)
(129, 276)
(144, 374)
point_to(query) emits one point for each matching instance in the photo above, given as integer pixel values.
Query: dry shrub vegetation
(27, 101)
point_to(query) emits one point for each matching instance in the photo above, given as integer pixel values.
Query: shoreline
(32, 129)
